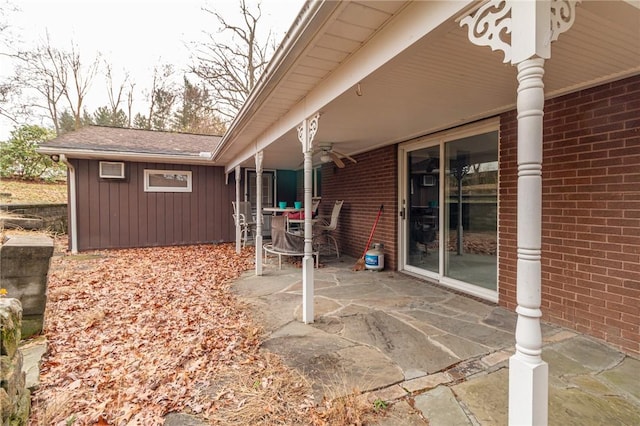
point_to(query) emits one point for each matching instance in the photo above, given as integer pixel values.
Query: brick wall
(363, 187)
(590, 212)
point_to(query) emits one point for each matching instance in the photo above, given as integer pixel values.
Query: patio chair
(315, 203)
(325, 226)
(242, 215)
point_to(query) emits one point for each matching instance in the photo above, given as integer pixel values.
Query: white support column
(533, 25)
(238, 230)
(528, 373)
(306, 133)
(258, 239)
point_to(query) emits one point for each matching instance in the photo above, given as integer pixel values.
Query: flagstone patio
(439, 356)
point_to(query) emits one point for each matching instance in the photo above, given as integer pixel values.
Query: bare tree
(81, 79)
(9, 90)
(130, 104)
(115, 94)
(194, 115)
(55, 75)
(116, 98)
(232, 69)
(161, 97)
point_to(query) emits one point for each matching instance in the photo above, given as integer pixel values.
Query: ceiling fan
(327, 154)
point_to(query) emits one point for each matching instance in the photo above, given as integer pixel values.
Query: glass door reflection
(423, 210)
(471, 210)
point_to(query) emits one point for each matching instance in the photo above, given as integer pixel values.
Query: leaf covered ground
(136, 334)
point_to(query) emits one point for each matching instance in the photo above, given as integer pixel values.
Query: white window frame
(149, 172)
(105, 176)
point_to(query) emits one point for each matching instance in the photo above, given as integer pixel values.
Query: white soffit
(361, 48)
(436, 81)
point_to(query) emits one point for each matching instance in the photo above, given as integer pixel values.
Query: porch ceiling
(440, 81)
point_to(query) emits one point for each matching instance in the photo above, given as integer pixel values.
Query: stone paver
(180, 419)
(409, 348)
(460, 347)
(401, 414)
(440, 407)
(356, 291)
(32, 352)
(275, 311)
(474, 332)
(589, 353)
(336, 366)
(486, 397)
(497, 358)
(576, 407)
(625, 377)
(427, 382)
(387, 394)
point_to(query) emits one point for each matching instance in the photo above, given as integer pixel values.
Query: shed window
(167, 181)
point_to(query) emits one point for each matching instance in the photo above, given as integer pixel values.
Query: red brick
(594, 245)
(634, 328)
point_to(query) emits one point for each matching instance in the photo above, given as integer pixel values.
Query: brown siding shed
(118, 213)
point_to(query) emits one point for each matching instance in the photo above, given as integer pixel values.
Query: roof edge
(200, 159)
(311, 17)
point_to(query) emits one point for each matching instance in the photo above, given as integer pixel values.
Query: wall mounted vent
(111, 170)
(428, 180)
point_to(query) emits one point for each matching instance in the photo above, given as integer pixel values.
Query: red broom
(359, 266)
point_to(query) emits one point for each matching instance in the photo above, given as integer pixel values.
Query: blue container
(374, 258)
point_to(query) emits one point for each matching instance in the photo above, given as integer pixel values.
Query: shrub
(18, 156)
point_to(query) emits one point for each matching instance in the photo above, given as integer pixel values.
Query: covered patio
(435, 356)
(392, 82)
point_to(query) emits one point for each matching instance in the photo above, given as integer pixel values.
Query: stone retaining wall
(15, 398)
(52, 217)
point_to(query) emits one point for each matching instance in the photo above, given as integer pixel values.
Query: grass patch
(14, 191)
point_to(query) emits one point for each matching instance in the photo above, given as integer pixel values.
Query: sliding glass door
(471, 210)
(449, 226)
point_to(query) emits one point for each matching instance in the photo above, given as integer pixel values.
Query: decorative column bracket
(307, 131)
(499, 23)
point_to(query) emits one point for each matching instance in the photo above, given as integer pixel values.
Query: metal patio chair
(243, 216)
(325, 226)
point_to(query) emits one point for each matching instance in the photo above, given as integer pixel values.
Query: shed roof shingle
(134, 141)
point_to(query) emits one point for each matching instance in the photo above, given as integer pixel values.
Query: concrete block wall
(591, 212)
(15, 398)
(24, 265)
(363, 187)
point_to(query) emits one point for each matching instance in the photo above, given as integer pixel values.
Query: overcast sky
(134, 35)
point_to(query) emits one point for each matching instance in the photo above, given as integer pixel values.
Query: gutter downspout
(73, 209)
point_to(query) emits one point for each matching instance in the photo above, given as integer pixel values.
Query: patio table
(276, 210)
